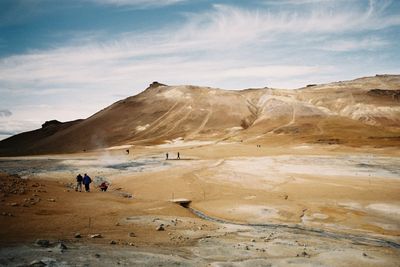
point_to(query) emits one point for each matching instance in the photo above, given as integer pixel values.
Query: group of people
(177, 157)
(86, 181)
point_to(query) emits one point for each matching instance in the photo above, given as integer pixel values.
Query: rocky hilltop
(364, 111)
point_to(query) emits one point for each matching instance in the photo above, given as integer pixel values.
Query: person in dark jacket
(86, 182)
(79, 180)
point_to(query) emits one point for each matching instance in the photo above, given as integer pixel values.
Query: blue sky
(68, 59)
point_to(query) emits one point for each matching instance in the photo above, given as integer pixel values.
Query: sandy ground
(288, 205)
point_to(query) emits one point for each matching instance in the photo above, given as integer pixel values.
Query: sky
(67, 59)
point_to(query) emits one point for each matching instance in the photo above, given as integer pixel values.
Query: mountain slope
(364, 111)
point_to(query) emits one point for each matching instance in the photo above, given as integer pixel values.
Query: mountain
(364, 111)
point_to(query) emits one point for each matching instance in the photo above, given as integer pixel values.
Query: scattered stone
(117, 224)
(13, 204)
(160, 227)
(51, 200)
(132, 234)
(365, 254)
(253, 240)
(247, 248)
(97, 255)
(113, 242)
(305, 254)
(37, 263)
(131, 244)
(61, 246)
(77, 235)
(42, 243)
(96, 236)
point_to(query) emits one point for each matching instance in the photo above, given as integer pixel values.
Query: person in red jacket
(103, 186)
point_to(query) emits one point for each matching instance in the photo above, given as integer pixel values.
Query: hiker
(79, 179)
(86, 182)
(166, 156)
(178, 156)
(127, 151)
(103, 186)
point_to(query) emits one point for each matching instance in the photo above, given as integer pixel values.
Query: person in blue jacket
(86, 182)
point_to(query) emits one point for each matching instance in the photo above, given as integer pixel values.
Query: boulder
(42, 243)
(96, 236)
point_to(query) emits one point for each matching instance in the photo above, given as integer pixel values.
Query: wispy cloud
(5, 113)
(347, 45)
(235, 31)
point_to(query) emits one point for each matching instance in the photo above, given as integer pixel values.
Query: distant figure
(127, 151)
(103, 186)
(178, 156)
(79, 180)
(86, 182)
(166, 156)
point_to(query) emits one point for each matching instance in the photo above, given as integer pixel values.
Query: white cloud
(347, 45)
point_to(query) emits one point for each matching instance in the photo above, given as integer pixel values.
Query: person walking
(179, 157)
(166, 156)
(86, 181)
(79, 180)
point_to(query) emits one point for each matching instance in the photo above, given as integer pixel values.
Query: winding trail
(355, 239)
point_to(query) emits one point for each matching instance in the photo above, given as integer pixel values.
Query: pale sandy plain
(275, 205)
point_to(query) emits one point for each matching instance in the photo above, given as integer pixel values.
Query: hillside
(364, 111)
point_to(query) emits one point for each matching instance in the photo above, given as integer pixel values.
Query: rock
(117, 224)
(77, 235)
(304, 254)
(112, 242)
(247, 248)
(37, 263)
(132, 234)
(160, 227)
(51, 200)
(42, 243)
(97, 255)
(253, 240)
(365, 254)
(131, 244)
(14, 204)
(51, 123)
(96, 236)
(61, 246)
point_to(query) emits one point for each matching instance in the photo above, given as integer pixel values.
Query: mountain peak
(155, 84)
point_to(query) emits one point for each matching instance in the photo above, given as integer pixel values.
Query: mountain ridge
(364, 111)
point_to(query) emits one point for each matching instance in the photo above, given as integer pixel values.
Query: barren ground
(286, 205)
